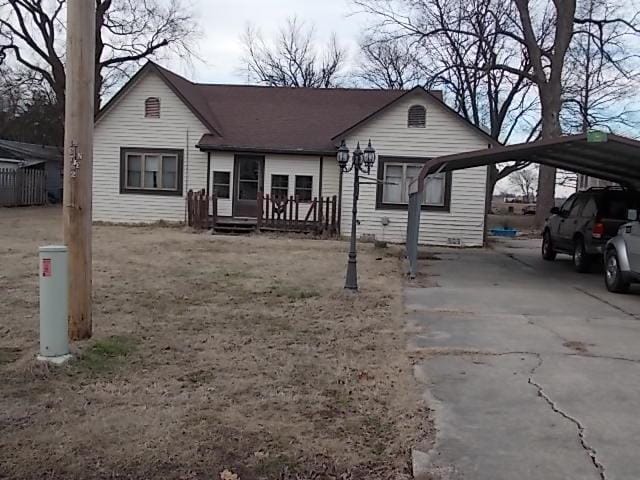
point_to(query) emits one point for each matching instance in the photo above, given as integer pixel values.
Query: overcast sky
(223, 22)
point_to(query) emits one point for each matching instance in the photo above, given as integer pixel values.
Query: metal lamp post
(360, 162)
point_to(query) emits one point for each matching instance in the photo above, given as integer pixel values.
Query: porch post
(260, 201)
(413, 232)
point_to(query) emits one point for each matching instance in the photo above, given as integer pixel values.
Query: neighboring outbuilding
(162, 135)
(32, 173)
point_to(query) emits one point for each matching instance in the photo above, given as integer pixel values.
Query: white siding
(126, 126)
(292, 165)
(330, 177)
(443, 135)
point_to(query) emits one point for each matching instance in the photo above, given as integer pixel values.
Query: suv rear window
(615, 204)
(590, 209)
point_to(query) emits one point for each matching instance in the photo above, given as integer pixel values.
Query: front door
(248, 176)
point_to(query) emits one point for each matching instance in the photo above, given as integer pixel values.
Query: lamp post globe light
(360, 162)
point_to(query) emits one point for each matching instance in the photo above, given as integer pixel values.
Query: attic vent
(417, 117)
(152, 107)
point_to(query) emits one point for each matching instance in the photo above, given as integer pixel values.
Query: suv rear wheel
(613, 277)
(581, 260)
(548, 253)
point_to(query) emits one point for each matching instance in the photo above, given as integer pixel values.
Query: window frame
(423, 110)
(125, 189)
(578, 206)
(228, 184)
(417, 161)
(310, 189)
(284, 175)
(568, 202)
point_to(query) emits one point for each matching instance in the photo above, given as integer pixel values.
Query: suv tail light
(598, 229)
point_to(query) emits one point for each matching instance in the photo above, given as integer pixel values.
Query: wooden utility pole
(78, 161)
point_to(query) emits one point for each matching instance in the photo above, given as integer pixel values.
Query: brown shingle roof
(277, 118)
(288, 118)
(280, 119)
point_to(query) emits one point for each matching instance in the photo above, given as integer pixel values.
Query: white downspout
(185, 180)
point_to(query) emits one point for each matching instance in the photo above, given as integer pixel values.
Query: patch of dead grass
(209, 353)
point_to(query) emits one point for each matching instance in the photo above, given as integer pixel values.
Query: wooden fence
(198, 209)
(22, 187)
(288, 214)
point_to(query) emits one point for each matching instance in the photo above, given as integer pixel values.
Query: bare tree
(546, 38)
(292, 59)
(567, 179)
(32, 33)
(600, 81)
(28, 109)
(455, 43)
(391, 63)
(524, 181)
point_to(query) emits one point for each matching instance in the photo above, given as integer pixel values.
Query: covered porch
(320, 216)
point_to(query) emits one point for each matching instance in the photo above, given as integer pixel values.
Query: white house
(162, 135)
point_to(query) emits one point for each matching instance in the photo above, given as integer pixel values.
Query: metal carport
(597, 154)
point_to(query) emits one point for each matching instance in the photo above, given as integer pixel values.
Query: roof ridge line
(359, 89)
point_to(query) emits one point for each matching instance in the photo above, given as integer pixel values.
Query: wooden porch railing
(198, 209)
(288, 214)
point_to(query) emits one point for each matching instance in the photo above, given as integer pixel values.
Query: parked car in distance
(584, 224)
(622, 256)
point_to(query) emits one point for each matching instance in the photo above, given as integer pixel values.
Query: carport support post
(413, 232)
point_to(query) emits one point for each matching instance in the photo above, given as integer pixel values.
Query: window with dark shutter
(152, 107)
(417, 117)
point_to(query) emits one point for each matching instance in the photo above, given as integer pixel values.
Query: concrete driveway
(532, 370)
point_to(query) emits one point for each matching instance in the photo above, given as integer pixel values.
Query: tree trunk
(492, 179)
(547, 175)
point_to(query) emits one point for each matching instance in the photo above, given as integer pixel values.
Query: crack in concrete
(512, 256)
(579, 289)
(581, 437)
(564, 339)
(444, 351)
(606, 302)
(604, 357)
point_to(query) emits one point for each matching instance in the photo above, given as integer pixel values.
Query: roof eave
(150, 66)
(246, 149)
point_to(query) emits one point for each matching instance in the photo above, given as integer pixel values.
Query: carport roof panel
(596, 154)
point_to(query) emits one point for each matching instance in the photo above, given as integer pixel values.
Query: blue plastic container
(503, 232)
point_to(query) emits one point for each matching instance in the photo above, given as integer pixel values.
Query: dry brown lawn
(209, 353)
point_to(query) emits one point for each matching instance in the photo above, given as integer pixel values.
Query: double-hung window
(304, 187)
(395, 177)
(280, 186)
(222, 184)
(151, 171)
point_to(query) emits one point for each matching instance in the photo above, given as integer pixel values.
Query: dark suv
(585, 222)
